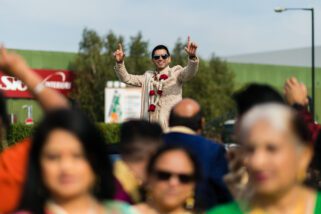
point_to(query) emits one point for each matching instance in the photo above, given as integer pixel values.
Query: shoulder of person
(212, 147)
(118, 207)
(177, 68)
(232, 208)
(318, 201)
(143, 208)
(149, 73)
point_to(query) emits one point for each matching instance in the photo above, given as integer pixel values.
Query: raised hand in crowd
(14, 65)
(295, 92)
(119, 54)
(13, 160)
(191, 48)
(237, 177)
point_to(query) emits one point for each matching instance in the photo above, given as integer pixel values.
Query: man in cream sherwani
(161, 88)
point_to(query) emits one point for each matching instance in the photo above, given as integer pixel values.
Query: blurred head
(139, 139)
(254, 94)
(275, 147)
(161, 57)
(187, 113)
(67, 159)
(172, 175)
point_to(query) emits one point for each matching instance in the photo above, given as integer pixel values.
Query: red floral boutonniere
(152, 107)
(151, 93)
(163, 77)
(160, 92)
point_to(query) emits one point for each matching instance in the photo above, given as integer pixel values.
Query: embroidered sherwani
(171, 87)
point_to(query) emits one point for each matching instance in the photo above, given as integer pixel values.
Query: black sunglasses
(165, 176)
(164, 56)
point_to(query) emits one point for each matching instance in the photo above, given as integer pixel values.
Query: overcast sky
(223, 27)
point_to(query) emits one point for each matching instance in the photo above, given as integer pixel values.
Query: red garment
(13, 164)
(121, 194)
(309, 121)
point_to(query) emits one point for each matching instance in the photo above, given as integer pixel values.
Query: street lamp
(280, 10)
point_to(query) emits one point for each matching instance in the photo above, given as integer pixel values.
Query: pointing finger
(120, 47)
(3, 53)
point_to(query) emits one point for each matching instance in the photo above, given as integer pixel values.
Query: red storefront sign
(60, 80)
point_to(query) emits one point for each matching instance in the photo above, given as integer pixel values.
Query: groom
(162, 87)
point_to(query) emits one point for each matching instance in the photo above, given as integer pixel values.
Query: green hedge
(110, 131)
(18, 132)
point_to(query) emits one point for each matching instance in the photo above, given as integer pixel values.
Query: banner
(122, 104)
(60, 80)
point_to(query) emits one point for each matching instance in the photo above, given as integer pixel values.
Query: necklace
(155, 90)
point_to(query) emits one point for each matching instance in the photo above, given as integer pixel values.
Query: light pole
(280, 10)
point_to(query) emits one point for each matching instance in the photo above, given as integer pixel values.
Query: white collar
(181, 129)
(164, 70)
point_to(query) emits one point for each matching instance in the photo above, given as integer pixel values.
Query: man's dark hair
(160, 47)
(254, 94)
(194, 122)
(137, 137)
(35, 192)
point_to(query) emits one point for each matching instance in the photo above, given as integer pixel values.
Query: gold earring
(190, 203)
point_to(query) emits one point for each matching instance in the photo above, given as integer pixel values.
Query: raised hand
(295, 92)
(191, 48)
(237, 177)
(14, 65)
(11, 63)
(119, 54)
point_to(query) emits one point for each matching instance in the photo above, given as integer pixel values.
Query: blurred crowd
(66, 167)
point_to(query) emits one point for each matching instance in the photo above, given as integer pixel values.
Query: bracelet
(39, 88)
(192, 57)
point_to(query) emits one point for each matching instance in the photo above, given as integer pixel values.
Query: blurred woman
(172, 173)
(69, 170)
(276, 154)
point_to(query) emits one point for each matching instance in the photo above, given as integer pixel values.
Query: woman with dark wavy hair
(69, 170)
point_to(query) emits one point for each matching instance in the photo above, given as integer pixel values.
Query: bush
(110, 131)
(18, 132)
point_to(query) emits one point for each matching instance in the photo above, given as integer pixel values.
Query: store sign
(122, 104)
(60, 80)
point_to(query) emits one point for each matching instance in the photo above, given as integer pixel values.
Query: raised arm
(191, 69)
(296, 94)
(121, 71)
(13, 160)
(15, 65)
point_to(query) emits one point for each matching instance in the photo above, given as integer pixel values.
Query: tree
(138, 60)
(111, 42)
(94, 67)
(212, 87)
(179, 56)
